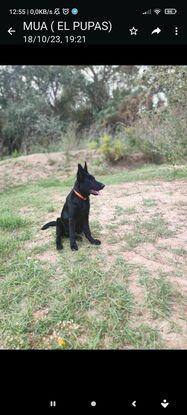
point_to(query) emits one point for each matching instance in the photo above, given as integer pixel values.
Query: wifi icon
(157, 11)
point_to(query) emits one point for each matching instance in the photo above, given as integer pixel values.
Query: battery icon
(170, 11)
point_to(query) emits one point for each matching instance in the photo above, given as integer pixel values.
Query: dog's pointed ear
(80, 173)
(85, 167)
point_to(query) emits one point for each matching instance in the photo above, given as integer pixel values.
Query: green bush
(26, 125)
(161, 137)
(16, 154)
(93, 145)
(113, 149)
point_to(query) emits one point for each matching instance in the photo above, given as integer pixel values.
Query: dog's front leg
(87, 233)
(72, 235)
(59, 234)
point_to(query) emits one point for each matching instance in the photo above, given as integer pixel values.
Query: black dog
(75, 213)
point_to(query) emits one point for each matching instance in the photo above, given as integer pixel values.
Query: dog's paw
(74, 247)
(96, 242)
(59, 247)
(78, 238)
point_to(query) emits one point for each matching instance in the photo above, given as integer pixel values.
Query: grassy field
(130, 292)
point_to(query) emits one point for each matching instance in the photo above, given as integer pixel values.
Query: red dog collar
(79, 195)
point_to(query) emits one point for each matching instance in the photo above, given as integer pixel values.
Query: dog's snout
(102, 186)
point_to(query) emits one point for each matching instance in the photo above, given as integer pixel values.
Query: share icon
(157, 31)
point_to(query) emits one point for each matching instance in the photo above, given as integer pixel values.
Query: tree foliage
(39, 103)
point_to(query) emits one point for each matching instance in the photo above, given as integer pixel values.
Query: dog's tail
(47, 225)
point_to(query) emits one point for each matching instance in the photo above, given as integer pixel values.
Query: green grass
(96, 227)
(142, 337)
(69, 295)
(15, 231)
(81, 286)
(50, 182)
(12, 222)
(149, 202)
(86, 288)
(159, 295)
(148, 231)
(133, 239)
(22, 288)
(111, 226)
(130, 210)
(147, 172)
(120, 210)
(156, 227)
(179, 251)
(124, 222)
(51, 208)
(114, 238)
(7, 245)
(40, 249)
(73, 295)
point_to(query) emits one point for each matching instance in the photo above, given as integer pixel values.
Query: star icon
(133, 31)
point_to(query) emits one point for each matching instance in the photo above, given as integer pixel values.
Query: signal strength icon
(147, 12)
(157, 11)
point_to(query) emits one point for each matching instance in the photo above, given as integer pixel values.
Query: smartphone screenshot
(93, 196)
